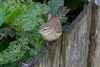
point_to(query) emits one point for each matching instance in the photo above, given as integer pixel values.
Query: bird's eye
(45, 29)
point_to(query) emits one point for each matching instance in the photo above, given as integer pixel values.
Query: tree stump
(79, 44)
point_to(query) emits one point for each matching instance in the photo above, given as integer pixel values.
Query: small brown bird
(52, 29)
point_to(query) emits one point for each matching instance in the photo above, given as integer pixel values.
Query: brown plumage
(52, 29)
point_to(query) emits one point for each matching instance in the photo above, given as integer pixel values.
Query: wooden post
(79, 45)
(96, 37)
(71, 50)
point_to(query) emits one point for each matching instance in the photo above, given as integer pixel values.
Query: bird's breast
(51, 37)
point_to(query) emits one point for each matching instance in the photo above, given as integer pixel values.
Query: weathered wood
(96, 56)
(71, 50)
(76, 50)
(79, 45)
(92, 44)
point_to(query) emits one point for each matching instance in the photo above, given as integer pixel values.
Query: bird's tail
(62, 11)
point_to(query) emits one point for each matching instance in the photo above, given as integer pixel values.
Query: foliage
(31, 18)
(23, 18)
(54, 5)
(14, 51)
(2, 13)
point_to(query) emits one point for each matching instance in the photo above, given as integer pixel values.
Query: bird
(52, 28)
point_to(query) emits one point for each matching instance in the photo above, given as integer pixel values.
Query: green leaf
(36, 50)
(2, 13)
(26, 1)
(9, 2)
(34, 40)
(54, 5)
(23, 17)
(13, 11)
(30, 18)
(14, 52)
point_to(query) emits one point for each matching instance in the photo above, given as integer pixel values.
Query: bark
(79, 45)
(96, 56)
